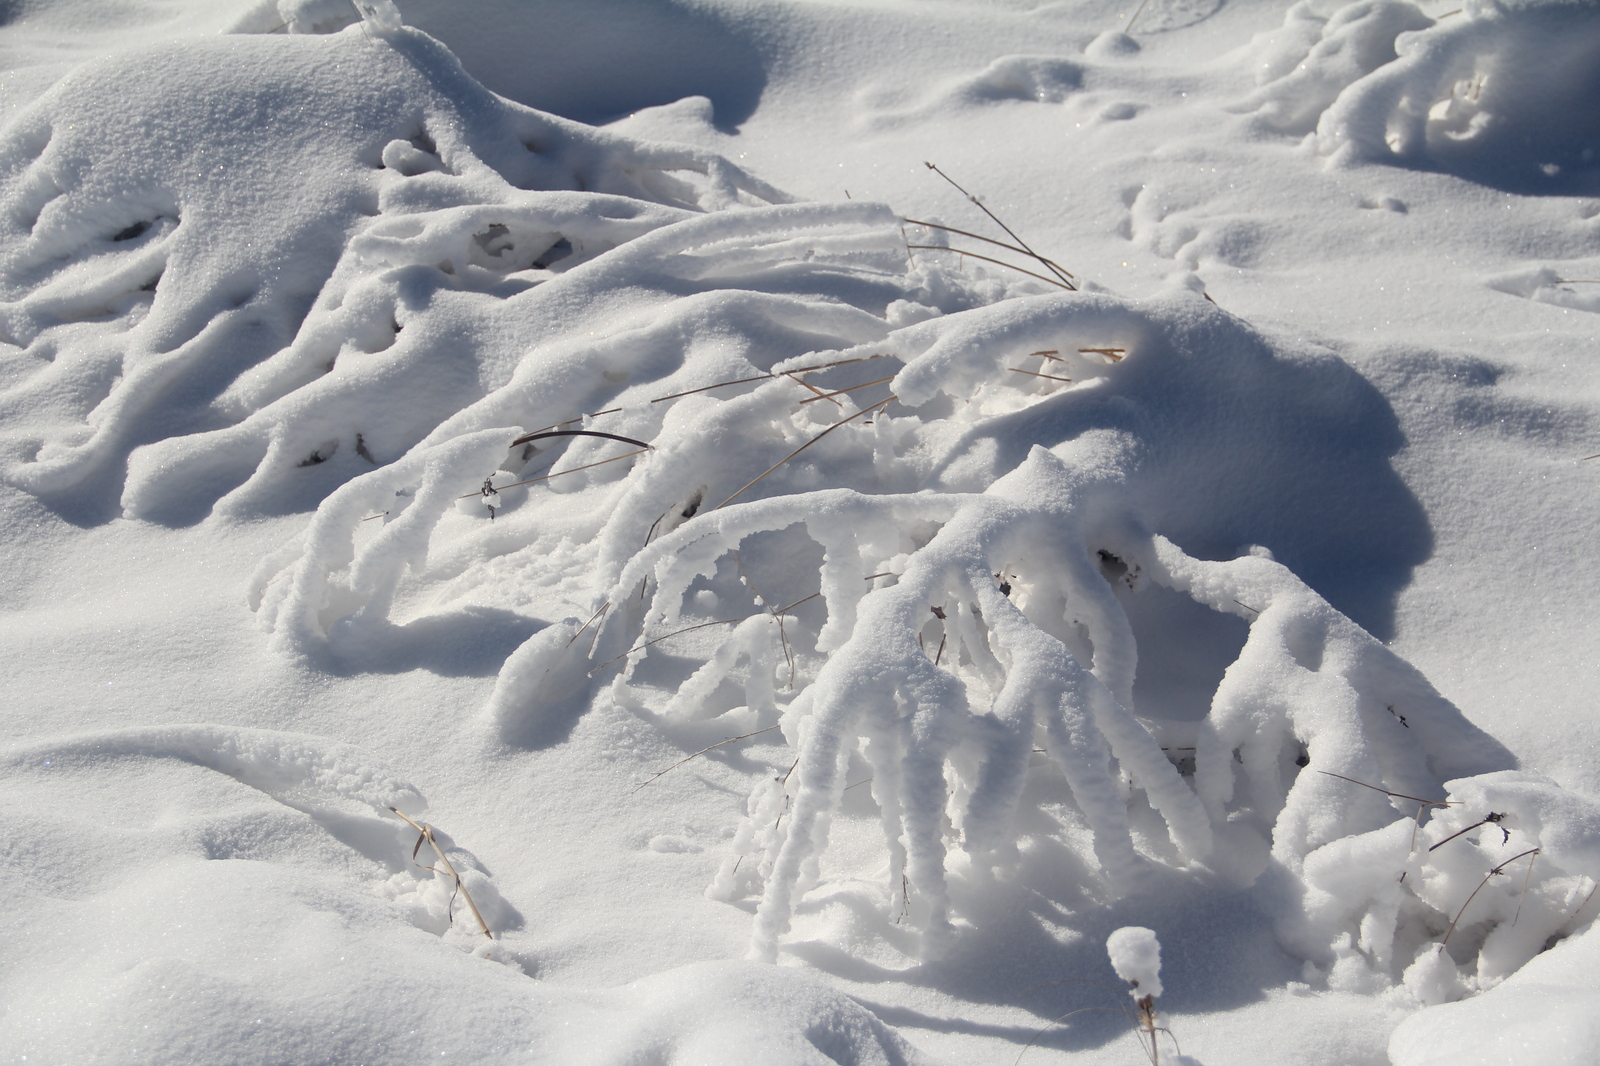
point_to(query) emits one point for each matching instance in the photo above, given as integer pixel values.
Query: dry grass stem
(1492, 873)
(426, 833)
(841, 392)
(1113, 354)
(820, 394)
(881, 403)
(528, 437)
(1490, 819)
(702, 751)
(998, 262)
(990, 240)
(602, 609)
(1036, 374)
(1375, 788)
(701, 625)
(558, 473)
(1066, 279)
(783, 637)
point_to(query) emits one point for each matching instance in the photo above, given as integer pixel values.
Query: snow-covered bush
(934, 523)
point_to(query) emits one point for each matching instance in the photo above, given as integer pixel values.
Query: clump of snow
(1136, 956)
(1486, 883)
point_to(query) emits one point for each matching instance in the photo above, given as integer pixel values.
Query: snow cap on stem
(1136, 956)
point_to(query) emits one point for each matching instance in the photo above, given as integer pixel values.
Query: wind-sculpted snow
(1500, 93)
(163, 280)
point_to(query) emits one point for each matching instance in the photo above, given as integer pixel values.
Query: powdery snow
(743, 570)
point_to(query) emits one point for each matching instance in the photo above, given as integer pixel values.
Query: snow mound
(193, 892)
(1537, 1015)
(283, 765)
(135, 313)
(1501, 93)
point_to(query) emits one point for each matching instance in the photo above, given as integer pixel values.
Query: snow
(1136, 956)
(586, 430)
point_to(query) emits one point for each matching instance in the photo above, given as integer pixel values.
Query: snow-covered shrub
(934, 523)
(942, 587)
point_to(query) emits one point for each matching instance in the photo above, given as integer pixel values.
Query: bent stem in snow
(1494, 872)
(702, 751)
(425, 832)
(1066, 279)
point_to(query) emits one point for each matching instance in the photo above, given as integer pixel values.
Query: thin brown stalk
(1386, 792)
(1493, 819)
(1036, 374)
(1586, 458)
(723, 385)
(1129, 27)
(1058, 1021)
(1492, 873)
(370, 517)
(998, 262)
(1113, 354)
(708, 388)
(702, 751)
(820, 394)
(1065, 278)
(427, 834)
(580, 418)
(558, 473)
(841, 392)
(527, 438)
(702, 625)
(991, 240)
(669, 636)
(881, 403)
(1526, 880)
(601, 610)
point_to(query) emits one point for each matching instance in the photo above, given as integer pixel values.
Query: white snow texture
(989, 548)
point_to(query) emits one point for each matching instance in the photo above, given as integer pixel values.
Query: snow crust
(760, 573)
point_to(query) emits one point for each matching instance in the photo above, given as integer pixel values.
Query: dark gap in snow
(138, 229)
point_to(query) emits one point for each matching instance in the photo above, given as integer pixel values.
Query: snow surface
(571, 426)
